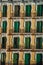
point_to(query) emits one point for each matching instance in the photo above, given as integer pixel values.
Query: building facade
(21, 32)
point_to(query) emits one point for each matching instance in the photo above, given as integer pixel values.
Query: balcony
(22, 0)
(21, 32)
(23, 50)
(33, 15)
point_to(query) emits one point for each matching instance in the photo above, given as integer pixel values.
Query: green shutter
(39, 43)
(28, 10)
(4, 10)
(16, 26)
(27, 26)
(16, 42)
(4, 26)
(17, 10)
(39, 59)
(39, 10)
(4, 39)
(3, 58)
(27, 58)
(27, 42)
(39, 26)
(15, 58)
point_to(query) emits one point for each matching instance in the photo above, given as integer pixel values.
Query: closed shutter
(4, 26)
(39, 26)
(4, 10)
(39, 59)
(28, 10)
(16, 26)
(16, 42)
(4, 39)
(39, 43)
(27, 58)
(17, 10)
(15, 58)
(27, 26)
(3, 58)
(39, 10)
(27, 42)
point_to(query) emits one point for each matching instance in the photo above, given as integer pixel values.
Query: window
(39, 10)
(27, 42)
(27, 26)
(10, 0)
(0, 55)
(39, 43)
(17, 10)
(28, 10)
(4, 39)
(22, 0)
(39, 59)
(3, 58)
(15, 58)
(27, 59)
(4, 10)
(39, 26)
(16, 26)
(17, 0)
(4, 26)
(16, 42)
